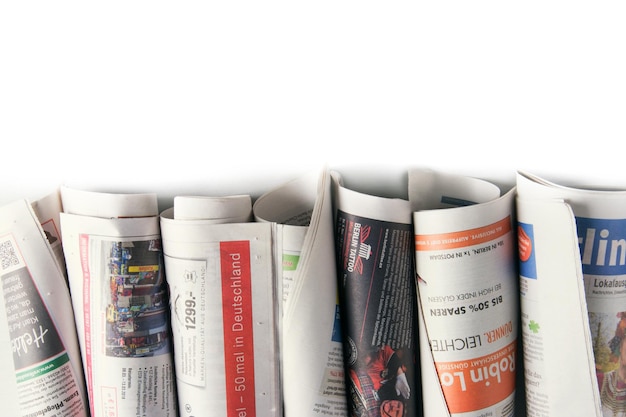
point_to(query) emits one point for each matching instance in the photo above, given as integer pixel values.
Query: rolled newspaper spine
(572, 254)
(467, 292)
(229, 209)
(41, 364)
(375, 262)
(223, 306)
(113, 252)
(311, 339)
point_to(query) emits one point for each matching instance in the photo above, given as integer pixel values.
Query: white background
(236, 97)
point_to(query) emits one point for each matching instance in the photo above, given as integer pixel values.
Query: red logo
(392, 408)
(525, 245)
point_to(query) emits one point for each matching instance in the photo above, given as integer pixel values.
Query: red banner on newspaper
(445, 241)
(238, 334)
(478, 383)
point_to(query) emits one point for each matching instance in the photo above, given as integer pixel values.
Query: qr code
(8, 257)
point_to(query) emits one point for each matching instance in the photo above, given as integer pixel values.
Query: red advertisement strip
(84, 261)
(238, 334)
(475, 384)
(444, 241)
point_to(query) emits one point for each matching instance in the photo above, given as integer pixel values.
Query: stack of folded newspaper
(317, 299)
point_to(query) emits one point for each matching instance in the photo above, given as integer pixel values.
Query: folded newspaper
(220, 268)
(467, 292)
(375, 262)
(41, 362)
(114, 258)
(573, 297)
(311, 344)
